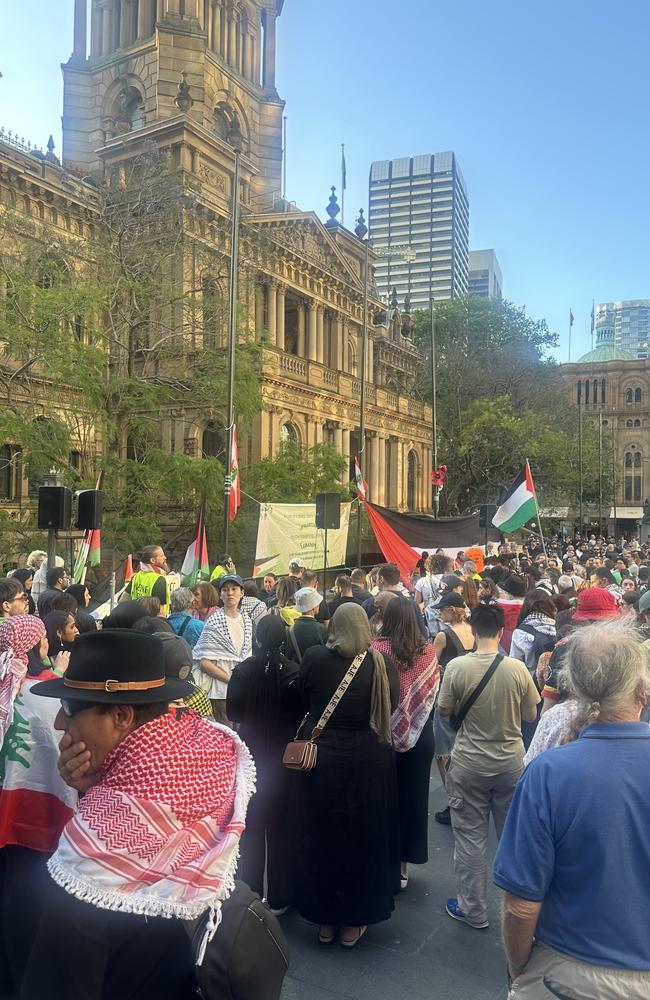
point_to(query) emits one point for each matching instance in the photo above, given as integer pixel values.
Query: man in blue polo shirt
(574, 856)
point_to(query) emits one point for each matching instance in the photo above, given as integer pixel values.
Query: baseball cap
(451, 580)
(229, 578)
(451, 600)
(297, 563)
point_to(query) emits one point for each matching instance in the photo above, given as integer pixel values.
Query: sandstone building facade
(175, 74)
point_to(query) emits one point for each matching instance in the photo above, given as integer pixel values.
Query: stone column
(272, 312)
(280, 314)
(320, 335)
(301, 329)
(106, 28)
(265, 434)
(232, 37)
(145, 18)
(393, 492)
(160, 10)
(338, 439)
(311, 334)
(256, 57)
(80, 23)
(126, 20)
(382, 470)
(370, 359)
(338, 343)
(373, 449)
(248, 55)
(268, 81)
(319, 432)
(259, 311)
(345, 351)
(96, 29)
(345, 451)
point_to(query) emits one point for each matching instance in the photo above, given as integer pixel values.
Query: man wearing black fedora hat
(155, 835)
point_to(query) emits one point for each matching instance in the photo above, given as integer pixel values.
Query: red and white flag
(128, 568)
(362, 485)
(235, 485)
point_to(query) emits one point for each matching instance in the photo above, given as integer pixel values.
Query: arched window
(633, 475)
(628, 423)
(288, 435)
(629, 396)
(637, 423)
(579, 391)
(637, 395)
(213, 442)
(411, 482)
(603, 386)
(595, 391)
(587, 390)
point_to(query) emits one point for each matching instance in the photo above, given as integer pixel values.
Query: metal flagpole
(344, 183)
(362, 231)
(614, 479)
(539, 523)
(235, 140)
(580, 462)
(570, 327)
(600, 473)
(434, 395)
(284, 158)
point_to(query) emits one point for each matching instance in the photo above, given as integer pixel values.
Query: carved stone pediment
(305, 234)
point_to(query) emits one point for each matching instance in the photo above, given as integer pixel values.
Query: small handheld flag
(362, 485)
(519, 506)
(195, 563)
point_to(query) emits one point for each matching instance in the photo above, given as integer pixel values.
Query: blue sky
(546, 106)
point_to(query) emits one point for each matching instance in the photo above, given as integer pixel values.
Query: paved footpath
(419, 954)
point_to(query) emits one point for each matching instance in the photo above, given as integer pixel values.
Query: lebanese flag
(195, 563)
(519, 505)
(362, 485)
(235, 485)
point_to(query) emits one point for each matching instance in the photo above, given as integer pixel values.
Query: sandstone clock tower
(175, 72)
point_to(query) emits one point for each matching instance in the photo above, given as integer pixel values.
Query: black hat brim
(171, 690)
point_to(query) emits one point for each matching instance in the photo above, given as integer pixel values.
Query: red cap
(594, 604)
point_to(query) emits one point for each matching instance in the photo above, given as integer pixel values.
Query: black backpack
(248, 956)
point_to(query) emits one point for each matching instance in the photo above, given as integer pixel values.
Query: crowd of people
(141, 761)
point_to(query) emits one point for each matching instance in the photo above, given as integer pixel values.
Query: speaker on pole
(54, 507)
(90, 505)
(328, 511)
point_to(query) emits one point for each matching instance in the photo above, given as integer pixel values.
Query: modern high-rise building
(485, 278)
(630, 323)
(419, 227)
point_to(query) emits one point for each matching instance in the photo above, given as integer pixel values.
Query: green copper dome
(606, 349)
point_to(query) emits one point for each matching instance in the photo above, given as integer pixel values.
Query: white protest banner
(288, 530)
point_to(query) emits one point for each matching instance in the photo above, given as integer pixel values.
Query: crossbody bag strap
(294, 643)
(186, 622)
(338, 694)
(480, 687)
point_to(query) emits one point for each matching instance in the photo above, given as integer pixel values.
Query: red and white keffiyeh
(159, 834)
(18, 635)
(418, 687)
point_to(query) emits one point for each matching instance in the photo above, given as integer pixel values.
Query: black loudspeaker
(54, 507)
(90, 504)
(328, 511)
(485, 514)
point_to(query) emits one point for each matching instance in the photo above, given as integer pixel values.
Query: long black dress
(266, 705)
(346, 811)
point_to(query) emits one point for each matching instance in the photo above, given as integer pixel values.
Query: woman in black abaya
(347, 820)
(263, 698)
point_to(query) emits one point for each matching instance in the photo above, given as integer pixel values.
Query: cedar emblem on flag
(519, 506)
(195, 563)
(362, 485)
(235, 485)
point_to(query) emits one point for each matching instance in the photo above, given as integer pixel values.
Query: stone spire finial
(394, 304)
(333, 209)
(50, 151)
(183, 99)
(361, 227)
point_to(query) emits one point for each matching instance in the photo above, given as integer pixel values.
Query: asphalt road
(419, 954)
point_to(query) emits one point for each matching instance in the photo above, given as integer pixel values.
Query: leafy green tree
(500, 400)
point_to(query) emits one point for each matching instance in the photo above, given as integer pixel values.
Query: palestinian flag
(519, 506)
(89, 554)
(195, 564)
(362, 485)
(235, 484)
